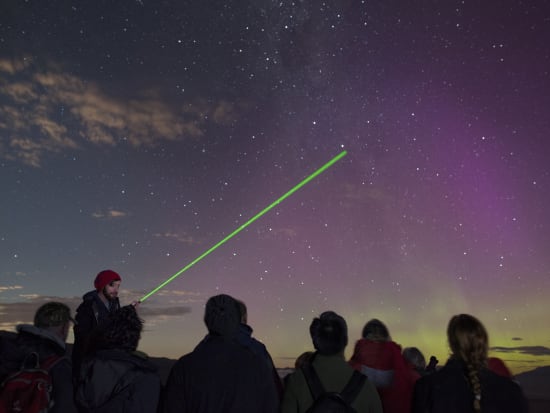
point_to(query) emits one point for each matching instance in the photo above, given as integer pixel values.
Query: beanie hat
(105, 277)
(221, 315)
(329, 333)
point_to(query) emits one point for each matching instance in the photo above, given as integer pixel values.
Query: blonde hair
(469, 342)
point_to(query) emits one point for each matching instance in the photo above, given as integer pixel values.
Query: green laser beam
(247, 223)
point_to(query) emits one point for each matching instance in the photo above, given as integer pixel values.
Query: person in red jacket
(380, 359)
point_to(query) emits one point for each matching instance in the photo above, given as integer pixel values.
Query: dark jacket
(89, 314)
(244, 336)
(46, 344)
(220, 375)
(118, 381)
(448, 391)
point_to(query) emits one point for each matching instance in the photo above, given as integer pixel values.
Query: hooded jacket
(118, 381)
(220, 375)
(46, 344)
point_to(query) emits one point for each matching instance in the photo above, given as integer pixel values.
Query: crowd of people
(231, 371)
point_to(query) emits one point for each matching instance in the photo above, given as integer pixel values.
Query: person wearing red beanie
(95, 308)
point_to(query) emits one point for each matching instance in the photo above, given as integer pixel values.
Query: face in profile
(110, 291)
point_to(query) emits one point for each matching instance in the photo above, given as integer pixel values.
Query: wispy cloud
(281, 233)
(38, 106)
(10, 287)
(15, 313)
(111, 213)
(183, 238)
(530, 350)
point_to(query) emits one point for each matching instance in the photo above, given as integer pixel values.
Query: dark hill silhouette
(536, 385)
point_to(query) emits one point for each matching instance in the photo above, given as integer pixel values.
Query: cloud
(12, 66)
(23, 311)
(530, 350)
(10, 287)
(109, 214)
(183, 238)
(280, 233)
(47, 112)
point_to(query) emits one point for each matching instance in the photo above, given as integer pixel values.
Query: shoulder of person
(87, 300)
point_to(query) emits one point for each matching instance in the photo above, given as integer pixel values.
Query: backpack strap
(32, 361)
(354, 386)
(313, 382)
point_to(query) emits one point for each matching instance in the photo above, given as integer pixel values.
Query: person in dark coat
(465, 384)
(93, 311)
(115, 377)
(46, 336)
(220, 375)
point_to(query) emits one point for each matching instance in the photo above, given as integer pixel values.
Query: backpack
(28, 390)
(332, 402)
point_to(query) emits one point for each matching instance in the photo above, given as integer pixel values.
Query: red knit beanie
(105, 277)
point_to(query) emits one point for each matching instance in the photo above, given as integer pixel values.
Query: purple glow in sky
(135, 135)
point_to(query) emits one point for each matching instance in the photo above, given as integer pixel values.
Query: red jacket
(384, 365)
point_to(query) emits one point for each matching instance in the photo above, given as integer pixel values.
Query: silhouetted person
(220, 375)
(465, 384)
(93, 311)
(380, 359)
(416, 368)
(415, 360)
(114, 376)
(329, 334)
(47, 336)
(431, 367)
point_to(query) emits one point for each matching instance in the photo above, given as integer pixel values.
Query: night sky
(135, 135)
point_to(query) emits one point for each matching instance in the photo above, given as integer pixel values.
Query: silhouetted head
(415, 357)
(468, 339)
(221, 315)
(329, 333)
(242, 311)
(122, 330)
(52, 314)
(376, 330)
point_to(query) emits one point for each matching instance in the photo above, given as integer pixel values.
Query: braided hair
(468, 340)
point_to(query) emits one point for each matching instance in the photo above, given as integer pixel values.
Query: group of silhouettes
(231, 371)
